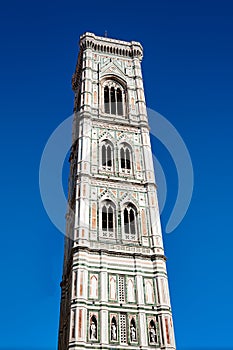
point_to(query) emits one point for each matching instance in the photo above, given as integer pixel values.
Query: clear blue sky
(188, 75)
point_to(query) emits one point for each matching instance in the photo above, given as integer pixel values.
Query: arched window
(125, 159)
(112, 292)
(113, 98)
(107, 156)
(152, 332)
(93, 328)
(149, 292)
(133, 333)
(94, 287)
(130, 222)
(113, 329)
(108, 219)
(130, 291)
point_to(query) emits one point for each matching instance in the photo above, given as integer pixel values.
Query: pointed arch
(106, 155)
(149, 292)
(112, 287)
(94, 286)
(108, 219)
(130, 222)
(114, 95)
(126, 158)
(130, 290)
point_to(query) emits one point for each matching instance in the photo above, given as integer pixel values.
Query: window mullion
(125, 160)
(135, 226)
(107, 221)
(115, 92)
(106, 156)
(110, 100)
(129, 221)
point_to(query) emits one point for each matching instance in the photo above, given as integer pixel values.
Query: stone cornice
(150, 256)
(132, 49)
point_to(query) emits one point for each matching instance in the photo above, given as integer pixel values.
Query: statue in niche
(113, 331)
(132, 332)
(152, 332)
(93, 335)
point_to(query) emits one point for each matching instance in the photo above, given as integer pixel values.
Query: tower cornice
(132, 49)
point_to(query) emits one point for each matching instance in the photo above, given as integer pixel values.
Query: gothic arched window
(149, 292)
(108, 219)
(93, 286)
(130, 290)
(125, 158)
(113, 98)
(130, 222)
(107, 155)
(112, 289)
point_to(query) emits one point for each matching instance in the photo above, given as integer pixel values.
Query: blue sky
(188, 71)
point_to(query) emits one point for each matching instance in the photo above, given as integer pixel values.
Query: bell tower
(114, 289)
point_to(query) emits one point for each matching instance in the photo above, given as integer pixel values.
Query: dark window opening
(122, 158)
(104, 219)
(113, 100)
(130, 222)
(109, 156)
(108, 219)
(107, 161)
(125, 155)
(106, 100)
(119, 102)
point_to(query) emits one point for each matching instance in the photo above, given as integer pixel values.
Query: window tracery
(113, 98)
(130, 222)
(125, 159)
(107, 155)
(108, 219)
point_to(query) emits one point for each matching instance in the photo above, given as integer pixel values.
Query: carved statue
(133, 333)
(93, 331)
(152, 334)
(113, 332)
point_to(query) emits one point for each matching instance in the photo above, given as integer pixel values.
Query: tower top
(111, 46)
